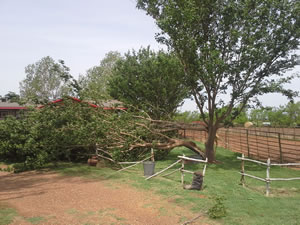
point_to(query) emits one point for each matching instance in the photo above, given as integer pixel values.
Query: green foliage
(94, 83)
(70, 130)
(7, 169)
(218, 210)
(149, 81)
(237, 117)
(11, 97)
(241, 49)
(44, 81)
(187, 116)
(51, 133)
(13, 135)
(283, 116)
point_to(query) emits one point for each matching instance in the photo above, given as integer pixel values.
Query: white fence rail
(268, 179)
(182, 159)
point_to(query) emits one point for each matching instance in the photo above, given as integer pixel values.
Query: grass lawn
(243, 205)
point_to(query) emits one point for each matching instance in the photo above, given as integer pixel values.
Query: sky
(80, 32)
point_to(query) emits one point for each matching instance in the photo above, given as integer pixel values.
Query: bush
(218, 210)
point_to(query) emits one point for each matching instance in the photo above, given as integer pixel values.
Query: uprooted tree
(70, 130)
(240, 49)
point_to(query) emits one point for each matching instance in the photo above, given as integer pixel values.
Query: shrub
(218, 210)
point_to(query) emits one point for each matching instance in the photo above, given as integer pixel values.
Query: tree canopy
(151, 81)
(228, 47)
(94, 83)
(44, 81)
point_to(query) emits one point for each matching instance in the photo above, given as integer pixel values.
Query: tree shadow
(32, 183)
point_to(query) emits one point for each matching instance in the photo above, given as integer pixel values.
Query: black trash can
(148, 168)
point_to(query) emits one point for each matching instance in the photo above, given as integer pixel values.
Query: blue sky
(80, 32)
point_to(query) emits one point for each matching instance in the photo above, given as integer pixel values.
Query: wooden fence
(258, 143)
(268, 179)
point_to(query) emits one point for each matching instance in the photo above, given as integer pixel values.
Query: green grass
(7, 214)
(35, 220)
(244, 205)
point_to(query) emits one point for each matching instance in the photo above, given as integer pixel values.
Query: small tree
(150, 81)
(228, 47)
(44, 81)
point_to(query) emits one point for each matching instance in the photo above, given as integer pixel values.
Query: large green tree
(227, 47)
(151, 81)
(44, 81)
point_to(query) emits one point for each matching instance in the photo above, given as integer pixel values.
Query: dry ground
(50, 198)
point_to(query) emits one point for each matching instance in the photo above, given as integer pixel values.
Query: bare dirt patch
(50, 198)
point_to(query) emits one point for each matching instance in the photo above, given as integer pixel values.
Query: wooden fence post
(243, 171)
(280, 148)
(268, 177)
(204, 168)
(248, 148)
(152, 155)
(182, 173)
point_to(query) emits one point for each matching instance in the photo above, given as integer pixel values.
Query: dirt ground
(50, 198)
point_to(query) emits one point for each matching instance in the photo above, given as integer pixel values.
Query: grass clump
(7, 215)
(218, 210)
(35, 220)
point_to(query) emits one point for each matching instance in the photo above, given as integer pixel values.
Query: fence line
(258, 143)
(182, 159)
(268, 179)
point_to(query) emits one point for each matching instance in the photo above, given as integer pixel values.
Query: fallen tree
(134, 135)
(72, 131)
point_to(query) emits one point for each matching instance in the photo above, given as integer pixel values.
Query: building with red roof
(10, 109)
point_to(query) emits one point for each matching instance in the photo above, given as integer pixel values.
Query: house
(10, 108)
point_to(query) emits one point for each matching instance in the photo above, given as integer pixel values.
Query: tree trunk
(209, 144)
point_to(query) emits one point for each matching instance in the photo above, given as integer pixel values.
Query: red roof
(90, 104)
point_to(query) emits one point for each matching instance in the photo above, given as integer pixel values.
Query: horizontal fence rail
(268, 179)
(278, 144)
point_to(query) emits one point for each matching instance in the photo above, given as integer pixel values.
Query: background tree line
(148, 80)
(283, 116)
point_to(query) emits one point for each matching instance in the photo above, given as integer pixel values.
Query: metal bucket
(148, 168)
